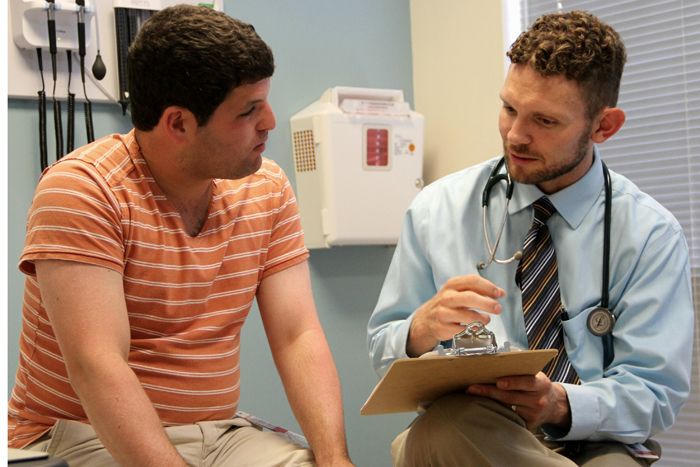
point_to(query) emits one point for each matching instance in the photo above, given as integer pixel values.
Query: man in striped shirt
(143, 256)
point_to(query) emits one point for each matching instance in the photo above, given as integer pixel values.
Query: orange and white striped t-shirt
(187, 297)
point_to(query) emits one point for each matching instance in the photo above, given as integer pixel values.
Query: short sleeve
(74, 217)
(286, 247)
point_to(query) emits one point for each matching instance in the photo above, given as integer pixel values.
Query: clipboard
(412, 382)
(21, 455)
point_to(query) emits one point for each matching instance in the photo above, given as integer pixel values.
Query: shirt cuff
(585, 415)
(395, 347)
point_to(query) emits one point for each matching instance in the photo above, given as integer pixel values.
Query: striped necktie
(537, 276)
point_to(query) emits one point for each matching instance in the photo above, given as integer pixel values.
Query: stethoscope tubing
(494, 178)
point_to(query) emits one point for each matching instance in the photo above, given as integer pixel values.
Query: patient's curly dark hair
(579, 46)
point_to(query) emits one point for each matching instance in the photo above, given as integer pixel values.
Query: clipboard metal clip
(474, 340)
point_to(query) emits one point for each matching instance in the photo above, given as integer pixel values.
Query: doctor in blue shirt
(559, 101)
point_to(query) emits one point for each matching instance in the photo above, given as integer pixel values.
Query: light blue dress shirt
(641, 392)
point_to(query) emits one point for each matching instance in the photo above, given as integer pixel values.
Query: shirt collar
(573, 202)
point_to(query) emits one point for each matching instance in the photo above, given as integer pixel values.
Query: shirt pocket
(585, 351)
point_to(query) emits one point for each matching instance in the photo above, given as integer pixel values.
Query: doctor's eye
(547, 122)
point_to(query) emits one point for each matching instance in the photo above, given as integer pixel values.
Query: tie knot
(543, 209)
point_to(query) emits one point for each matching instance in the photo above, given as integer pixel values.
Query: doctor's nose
(518, 133)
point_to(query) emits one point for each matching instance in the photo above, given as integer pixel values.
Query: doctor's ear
(607, 124)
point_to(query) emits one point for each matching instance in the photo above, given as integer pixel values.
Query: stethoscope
(600, 320)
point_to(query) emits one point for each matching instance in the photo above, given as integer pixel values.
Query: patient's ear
(177, 122)
(607, 124)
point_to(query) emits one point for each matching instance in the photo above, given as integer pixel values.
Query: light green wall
(317, 44)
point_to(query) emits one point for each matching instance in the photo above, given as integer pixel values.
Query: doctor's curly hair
(580, 47)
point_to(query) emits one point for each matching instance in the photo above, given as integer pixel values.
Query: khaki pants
(227, 443)
(462, 430)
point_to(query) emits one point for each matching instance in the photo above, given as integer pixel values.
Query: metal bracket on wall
(127, 23)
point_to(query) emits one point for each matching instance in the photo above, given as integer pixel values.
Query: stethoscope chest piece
(600, 321)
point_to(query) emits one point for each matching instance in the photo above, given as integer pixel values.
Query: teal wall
(317, 44)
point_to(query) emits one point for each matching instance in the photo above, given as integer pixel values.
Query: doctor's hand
(446, 314)
(535, 398)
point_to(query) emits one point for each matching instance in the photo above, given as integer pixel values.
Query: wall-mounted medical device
(58, 28)
(90, 37)
(28, 31)
(358, 158)
(29, 23)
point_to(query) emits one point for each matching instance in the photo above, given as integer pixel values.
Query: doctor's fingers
(468, 301)
(453, 321)
(529, 400)
(527, 383)
(444, 323)
(474, 283)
